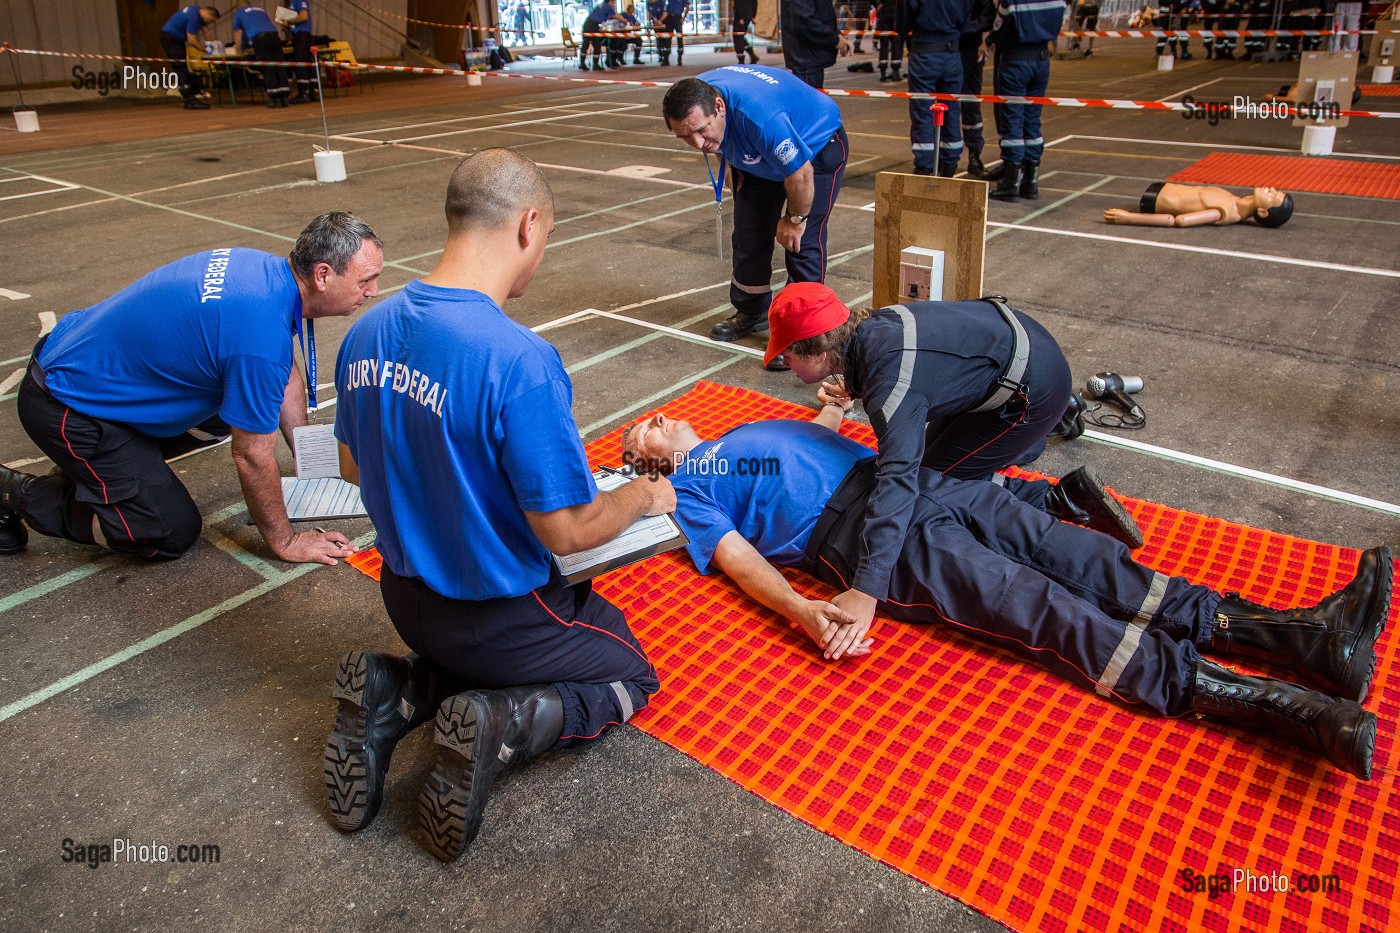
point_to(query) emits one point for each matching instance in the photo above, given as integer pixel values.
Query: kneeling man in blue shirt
(201, 347)
(978, 559)
(458, 424)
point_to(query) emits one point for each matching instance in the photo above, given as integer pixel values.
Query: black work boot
(1030, 181)
(753, 56)
(1330, 646)
(894, 73)
(1338, 730)
(480, 733)
(1009, 185)
(1071, 423)
(1079, 498)
(381, 699)
(975, 168)
(736, 326)
(14, 537)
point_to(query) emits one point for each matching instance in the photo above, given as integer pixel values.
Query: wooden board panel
(949, 214)
(1339, 68)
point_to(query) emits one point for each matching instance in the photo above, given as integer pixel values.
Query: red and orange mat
(1296, 173)
(1039, 805)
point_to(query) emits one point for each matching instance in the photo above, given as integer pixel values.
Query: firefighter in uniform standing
(1021, 36)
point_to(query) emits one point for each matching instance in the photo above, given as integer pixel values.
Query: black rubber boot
(381, 698)
(14, 537)
(753, 56)
(1030, 181)
(1009, 186)
(894, 73)
(1338, 730)
(975, 168)
(1330, 646)
(582, 62)
(1079, 498)
(737, 326)
(194, 103)
(479, 734)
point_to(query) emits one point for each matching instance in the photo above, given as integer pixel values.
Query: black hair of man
(215, 11)
(684, 96)
(1277, 216)
(492, 187)
(333, 238)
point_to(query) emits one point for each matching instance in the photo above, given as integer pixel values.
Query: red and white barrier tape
(208, 59)
(889, 95)
(1224, 33)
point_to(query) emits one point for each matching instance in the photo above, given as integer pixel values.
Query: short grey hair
(333, 238)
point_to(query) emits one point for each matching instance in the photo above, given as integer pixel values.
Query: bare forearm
(262, 490)
(800, 190)
(293, 413)
(830, 416)
(580, 527)
(756, 577)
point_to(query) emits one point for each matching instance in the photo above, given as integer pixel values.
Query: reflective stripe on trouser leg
(934, 72)
(624, 700)
(1132, 637)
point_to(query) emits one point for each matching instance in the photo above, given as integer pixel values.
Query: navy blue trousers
(976, 445)
(758, 205)
(935, 73)
(565, 636)
(1018, 125)
(1070, 599)
(971, 110)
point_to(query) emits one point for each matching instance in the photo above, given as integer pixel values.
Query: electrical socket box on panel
(920, 274)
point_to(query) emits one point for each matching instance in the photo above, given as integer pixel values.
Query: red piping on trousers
(821, 243)
(985, 633)
(592, 628)
(63, 430)
(594, 735)
(1025, 411)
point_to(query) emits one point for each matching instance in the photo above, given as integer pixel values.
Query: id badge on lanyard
(718, 182)
(307, 335)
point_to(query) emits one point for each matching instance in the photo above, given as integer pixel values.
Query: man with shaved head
(457, 423)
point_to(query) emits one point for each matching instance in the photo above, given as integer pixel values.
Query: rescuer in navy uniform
(932, 31)
(1021, 35)
(253, 28)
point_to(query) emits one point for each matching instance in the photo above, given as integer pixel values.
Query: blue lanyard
(308, 353)
(718, 182)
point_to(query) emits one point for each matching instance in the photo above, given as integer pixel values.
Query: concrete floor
(188, 702)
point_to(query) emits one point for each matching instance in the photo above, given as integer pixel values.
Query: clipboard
(647, 537)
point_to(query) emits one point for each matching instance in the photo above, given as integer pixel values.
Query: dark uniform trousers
(565, 636)
(758, 205)
(179, 63)
(672, 27)
(935, 68)
(975, 445)
(267, 46)
(1021, 71)
(301, 52)
(971, 110)
(110, 472)
(1070, 599)
(739, 32)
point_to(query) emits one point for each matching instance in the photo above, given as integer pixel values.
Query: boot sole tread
(446, 811)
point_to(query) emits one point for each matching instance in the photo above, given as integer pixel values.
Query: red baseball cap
(802, 310)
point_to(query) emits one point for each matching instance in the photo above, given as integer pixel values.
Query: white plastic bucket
(1384, 74)
(474, 79)
(330, 165)
(1166, 62)
(1318, 140)
(27, 121)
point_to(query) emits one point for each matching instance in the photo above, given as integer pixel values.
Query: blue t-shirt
(210, 333)
(301, 6)
(254, 21)
(656, 9)
(460, 420)
(185, 22)
(768, 480)
(677, 7)
(601, 12)
(774, 122)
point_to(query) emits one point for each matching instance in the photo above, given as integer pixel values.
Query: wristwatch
(797, 218)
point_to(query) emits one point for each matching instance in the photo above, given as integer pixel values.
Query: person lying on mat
(793, 493)
(966, 388)
(1169, 205)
